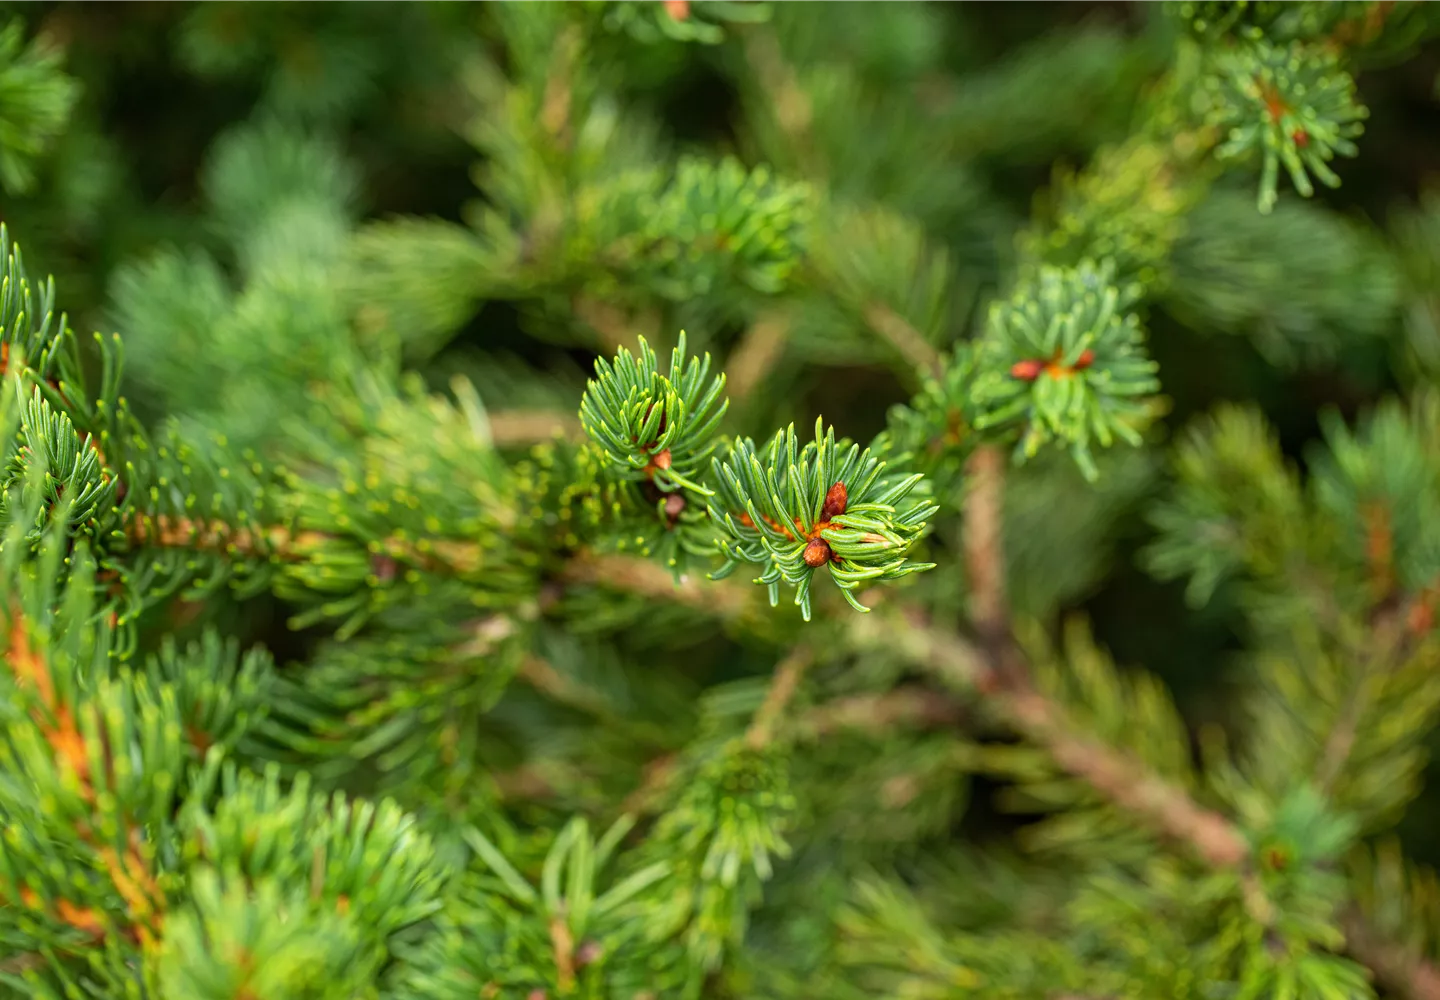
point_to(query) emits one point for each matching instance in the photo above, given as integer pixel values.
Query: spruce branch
(1063, 360)
(1001, 678)
(660, 428)
(35, 102)
(700, 21)
(793, 510)
(1292, 105)
(963, 666)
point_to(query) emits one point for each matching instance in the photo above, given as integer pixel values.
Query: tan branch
(903, 337)
(658, 775)
(1114, 774)
(1123, 780)
(724, 600)
(511, 428)
(985, 547)
(782, 689)
(755, 355)
(905, 707)
(615, 327)
(166, 531)
(1398, 968)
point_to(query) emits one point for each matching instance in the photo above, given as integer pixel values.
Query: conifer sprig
(35, 102)
(1291, 105)
(655, 427)
(794, 510)
(1064, 360)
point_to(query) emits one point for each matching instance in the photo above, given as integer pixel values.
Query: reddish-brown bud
(662, 460)
(384, 567)
(1027, 371)
(817, 552)
(835, 499)
(1086, 359)
(674, 504)
(678, 9)
(1301, 137)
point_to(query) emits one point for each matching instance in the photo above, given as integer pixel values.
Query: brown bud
(1086, 359)
(817, 552)
(834, 502)
(589, 953)
(674, 504)
(662, 460)
(1277, 858)
(384, 567)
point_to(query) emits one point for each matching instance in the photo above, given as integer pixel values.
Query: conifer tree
(509, 600)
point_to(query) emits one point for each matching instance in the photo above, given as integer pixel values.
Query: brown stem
(658, 775)
(563, 944)
(281, 543)
(905, 707)
(903, 337)
(615, 327)
(1126, 782)
(543, 677)
(511, 428)
(23, 962)
(1384, 647)
(1114, 774)
(757, 353)
(985, 548)
(726, 601)
(555, 105)
(782, 690)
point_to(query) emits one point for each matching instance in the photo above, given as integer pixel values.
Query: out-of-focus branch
(757, 352)
(985, 550)
(997, 669)
(1396, 967)
(782, 690)
(511, 428)
(903, 337)
(787, 99)
(961, 664)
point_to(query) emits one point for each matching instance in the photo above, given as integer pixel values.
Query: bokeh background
(970, 109)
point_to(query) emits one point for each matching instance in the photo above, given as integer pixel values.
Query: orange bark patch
(1275, 105)
(81, 918)
(1379, 547)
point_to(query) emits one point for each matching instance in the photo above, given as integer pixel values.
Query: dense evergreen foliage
(427, 584)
